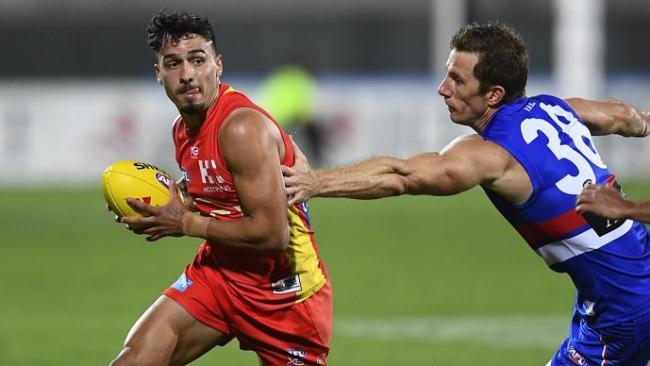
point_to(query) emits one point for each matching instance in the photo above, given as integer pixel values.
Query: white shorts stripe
(560, 251)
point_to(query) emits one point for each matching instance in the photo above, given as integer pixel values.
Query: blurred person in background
(609, 202)
(257, 276)
(532, 156)
(289, 94)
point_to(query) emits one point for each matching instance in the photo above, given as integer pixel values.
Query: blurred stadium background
(418, 281)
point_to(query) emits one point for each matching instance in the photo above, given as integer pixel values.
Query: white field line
(506, 331)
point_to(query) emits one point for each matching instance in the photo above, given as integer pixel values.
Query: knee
(133, 356)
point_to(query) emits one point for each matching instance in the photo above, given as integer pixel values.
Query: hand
(645, 117)
(298, 180)
(641, 118)
(158, 222)
(116, 217)
(605, 201)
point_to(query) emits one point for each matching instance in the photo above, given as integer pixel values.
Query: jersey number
(581, 138)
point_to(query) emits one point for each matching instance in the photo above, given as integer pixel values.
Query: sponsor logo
(296, 356)
(204, 165)
(163, 179)
(215, 182)
(287, 285)
(182, 283)
(575, 357)
(140, 166)
(589, 307)
(322, 360)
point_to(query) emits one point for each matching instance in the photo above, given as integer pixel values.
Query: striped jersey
(267, 281)
(608, 260)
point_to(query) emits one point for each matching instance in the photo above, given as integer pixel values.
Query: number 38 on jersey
(580, 153)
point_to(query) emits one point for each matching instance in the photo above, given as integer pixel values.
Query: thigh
(167, 334)
(298, 335)
(613, 346)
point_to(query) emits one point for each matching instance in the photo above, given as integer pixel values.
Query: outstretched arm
(608, 202)
(465, 163)
(611, 117)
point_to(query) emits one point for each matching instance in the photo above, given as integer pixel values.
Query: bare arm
(608, 202)
(251, 147)
(611, 117)
(465, 163)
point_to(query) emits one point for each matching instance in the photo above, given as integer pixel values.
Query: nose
(187, 73)
(443, 88)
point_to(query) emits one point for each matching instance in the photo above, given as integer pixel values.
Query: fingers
(287, 171)
(137, 222)
(140, 206)
(297, 198)
(191, 205)
(584, 207)
(173, 191)
(291, 190)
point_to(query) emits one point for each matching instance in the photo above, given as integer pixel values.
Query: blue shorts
(625, 344)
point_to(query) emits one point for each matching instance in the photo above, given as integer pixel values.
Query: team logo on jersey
(588, 307)
(182, 283)
(287, 285)
(575, 357)
(296, 356)
(194, 151)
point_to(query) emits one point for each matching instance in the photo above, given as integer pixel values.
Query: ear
(157, 70)
(218, 62)
(494, 95)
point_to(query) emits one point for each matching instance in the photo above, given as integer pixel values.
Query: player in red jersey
(258, 276)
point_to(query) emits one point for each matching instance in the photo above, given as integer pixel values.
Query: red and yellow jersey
(269, 281)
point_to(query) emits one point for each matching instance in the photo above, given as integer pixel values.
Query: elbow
(276, 241)
(400, 186)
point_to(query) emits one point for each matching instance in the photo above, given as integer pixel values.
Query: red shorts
(297, 335)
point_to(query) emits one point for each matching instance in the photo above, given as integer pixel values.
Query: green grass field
(417, 281)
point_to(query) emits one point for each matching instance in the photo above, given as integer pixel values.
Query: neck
(193, 121)
(482, 122)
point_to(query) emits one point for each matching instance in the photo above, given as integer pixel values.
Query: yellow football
(134, 179)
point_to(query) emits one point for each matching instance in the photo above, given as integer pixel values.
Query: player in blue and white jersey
(532, 156)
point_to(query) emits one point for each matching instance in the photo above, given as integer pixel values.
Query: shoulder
(480, 154)
(472, 144)
(249, 126)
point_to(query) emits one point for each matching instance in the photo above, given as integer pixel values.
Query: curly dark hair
(503, 56)
(175, 25)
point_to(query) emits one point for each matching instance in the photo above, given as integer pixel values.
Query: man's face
(188, 69)
(460, 88)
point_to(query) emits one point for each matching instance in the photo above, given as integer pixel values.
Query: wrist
(195, 225)
(318, 183)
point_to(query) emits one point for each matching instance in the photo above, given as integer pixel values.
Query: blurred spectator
(289, 94)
